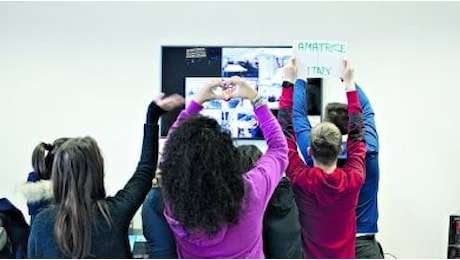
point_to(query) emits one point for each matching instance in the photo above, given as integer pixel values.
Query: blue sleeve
(370, 134)
(160, 239)
(302, 126)
(31, 253)
(32, 177)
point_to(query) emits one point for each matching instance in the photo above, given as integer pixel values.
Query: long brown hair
(78, 182)
(43, 157)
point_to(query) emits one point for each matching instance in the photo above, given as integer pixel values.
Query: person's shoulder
(355, 177)
(305, 175)
(316, 171)
(47, 214)
(43, 224)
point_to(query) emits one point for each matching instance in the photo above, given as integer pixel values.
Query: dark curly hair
(202, 177)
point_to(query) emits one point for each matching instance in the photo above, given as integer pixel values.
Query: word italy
(319, 71)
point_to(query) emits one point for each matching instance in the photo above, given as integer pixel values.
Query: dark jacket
(106, 241)
(17, 229)
(38, 194)
(281, 232)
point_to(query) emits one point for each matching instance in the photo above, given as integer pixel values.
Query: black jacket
(17, 229)
(281, 232)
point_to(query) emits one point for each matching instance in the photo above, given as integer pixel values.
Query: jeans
(368, 248)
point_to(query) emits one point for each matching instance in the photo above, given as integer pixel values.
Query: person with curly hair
(281, 227)
(213, 206)
(83, 222)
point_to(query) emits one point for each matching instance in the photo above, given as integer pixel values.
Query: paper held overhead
(320, 59)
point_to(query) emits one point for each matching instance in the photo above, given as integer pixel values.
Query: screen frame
(164, 49)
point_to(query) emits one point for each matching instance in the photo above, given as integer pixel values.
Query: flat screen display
(185, 69)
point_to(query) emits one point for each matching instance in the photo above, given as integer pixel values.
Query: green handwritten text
(319, 71)
(321, 47)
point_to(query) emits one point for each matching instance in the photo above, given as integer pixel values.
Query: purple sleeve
(268, 171)
(192, 108)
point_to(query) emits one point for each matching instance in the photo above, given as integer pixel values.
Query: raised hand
(206, 92)
(236, 87)
(290, 71)
(170, 102)
(348, 75)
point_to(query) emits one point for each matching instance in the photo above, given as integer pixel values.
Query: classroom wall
(91, 68)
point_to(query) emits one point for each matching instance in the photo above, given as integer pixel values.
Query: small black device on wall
(453, 248)
(185, 68)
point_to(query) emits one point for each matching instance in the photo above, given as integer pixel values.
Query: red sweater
(327, 202)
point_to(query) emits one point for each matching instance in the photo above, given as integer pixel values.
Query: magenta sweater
(244, 239)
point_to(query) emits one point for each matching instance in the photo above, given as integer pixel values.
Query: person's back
(367, 215)
(84, 222)
(106, 241)
(226, 204)
(326, 195)
(281, 227)
(327, 204)
(15, 229)
(37, 190)
(158, 234)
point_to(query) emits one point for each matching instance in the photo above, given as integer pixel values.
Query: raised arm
(356, 146)
(302, 126)
(134, 192)
(370, 130)
(296, 164)
(270, 167)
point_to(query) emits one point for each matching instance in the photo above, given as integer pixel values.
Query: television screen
(185, 69)
(235, 115)
(262, 65)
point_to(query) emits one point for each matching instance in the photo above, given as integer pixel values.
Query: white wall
(90, 68)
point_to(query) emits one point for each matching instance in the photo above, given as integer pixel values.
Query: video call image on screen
(264, 65)
(235, 115)
(186, 69)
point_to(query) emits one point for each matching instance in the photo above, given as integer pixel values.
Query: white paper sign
(320, 59)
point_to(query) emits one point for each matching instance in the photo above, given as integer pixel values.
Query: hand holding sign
(290, 71)
(348, 76)
(319, 59)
